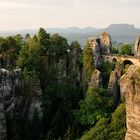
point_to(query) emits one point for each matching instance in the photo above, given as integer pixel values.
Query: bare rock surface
(95, 46)
(137, 46)
(96, 79)
(100, 46)
(105, 42)
(11, 100)
(130, 88)
(112, 81)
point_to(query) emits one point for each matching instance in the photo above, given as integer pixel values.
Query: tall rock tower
(95, 46)
(105, 43)
(129, 85)
(137, 46)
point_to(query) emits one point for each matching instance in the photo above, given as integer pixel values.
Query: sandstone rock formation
(105, 43)
(96, 80)
(112, 80)
(137, 46)
(5, 91)
(114, 88)
(11, 101)
(96, 49)
(130, 88)
(100, 46)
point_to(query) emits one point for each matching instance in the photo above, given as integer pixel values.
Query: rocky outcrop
(130, 88)
(75, 55)
(105, 43)
(114, 88)
(100, 46)
(11, 100)
(112, 81)
(137, 46)
(94, 45)
(96, 79)
(5, 91)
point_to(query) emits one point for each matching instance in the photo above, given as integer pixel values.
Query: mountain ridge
(119, 32)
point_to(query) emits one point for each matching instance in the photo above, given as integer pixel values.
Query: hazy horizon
(24, 29)
(32, 14)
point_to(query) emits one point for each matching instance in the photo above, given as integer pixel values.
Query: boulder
(130, 88)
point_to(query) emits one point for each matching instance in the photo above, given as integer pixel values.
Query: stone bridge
(122, 59)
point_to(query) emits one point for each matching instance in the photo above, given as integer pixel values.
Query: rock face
(93, 42)
(96, 80)
(137, 46)
(114, 88)
(130, 88)
(100, 46)
(5, 91)
(112, 81)
(105, 43)
(11, 100)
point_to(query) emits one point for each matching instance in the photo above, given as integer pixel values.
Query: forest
(71, 109)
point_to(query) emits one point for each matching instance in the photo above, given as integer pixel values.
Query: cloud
(46, 3)
(109, 2)
(62, 13)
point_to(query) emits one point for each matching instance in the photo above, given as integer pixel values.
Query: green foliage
(114, 50)
(9, 50)
(118, 123)
(29, 56)
(43, 38)
(96, 105)
(126, 68)
(106, 69)
(75, 44)
(99, 132)
(49, 60)
(126, 49)
(88, 62)
(104, 130)
(58, 101)
(21, 128)
(60, 44)
(30, 80)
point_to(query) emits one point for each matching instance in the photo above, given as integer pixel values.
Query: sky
(32, 14)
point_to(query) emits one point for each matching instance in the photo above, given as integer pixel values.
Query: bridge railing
(120, 55)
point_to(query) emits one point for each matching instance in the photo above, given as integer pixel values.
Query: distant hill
(121, 33)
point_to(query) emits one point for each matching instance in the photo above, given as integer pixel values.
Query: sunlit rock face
(96, 79)
(100, 46)
(105, 43)
(95, 46)
(137, 46)
(112, 81)
(130, 88)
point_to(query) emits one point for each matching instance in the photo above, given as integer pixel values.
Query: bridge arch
(126, 62)
(114, 60)
(122, 59)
